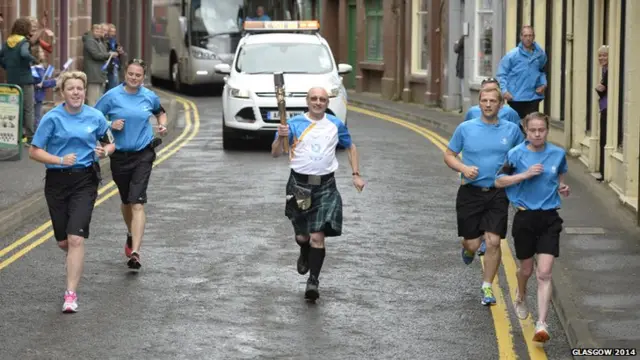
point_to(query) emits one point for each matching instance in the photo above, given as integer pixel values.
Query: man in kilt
(314, 204)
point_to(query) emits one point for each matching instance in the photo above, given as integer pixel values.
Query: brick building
(70, 19)
(395, 47)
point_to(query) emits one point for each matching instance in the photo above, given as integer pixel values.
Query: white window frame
(33, 8)
(416, 41)
(476, 40)
(17, 3)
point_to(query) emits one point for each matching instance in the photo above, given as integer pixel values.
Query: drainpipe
(407, 59)
(399, 10)
(569, 83)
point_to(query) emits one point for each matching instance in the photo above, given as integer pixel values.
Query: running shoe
(467, 256)
(128, 245)
(487, 296)
(311, 293)
(542, 334)
(134, 261)
(483, 248)
(520, 304)
(70, 304)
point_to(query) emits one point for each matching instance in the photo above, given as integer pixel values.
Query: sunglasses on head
(489, 80)
(136, 61)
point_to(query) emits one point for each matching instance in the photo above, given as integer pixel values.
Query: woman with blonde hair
(66, 142)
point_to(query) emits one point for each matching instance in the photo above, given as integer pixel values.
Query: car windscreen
(286, 57)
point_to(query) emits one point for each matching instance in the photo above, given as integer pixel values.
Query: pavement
(22, 181)
(596, 279)
(219, 277)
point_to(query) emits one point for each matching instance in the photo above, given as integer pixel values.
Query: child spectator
(40, 84)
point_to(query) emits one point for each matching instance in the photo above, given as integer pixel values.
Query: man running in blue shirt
(482, 209)
(506, 112)
(522, 74)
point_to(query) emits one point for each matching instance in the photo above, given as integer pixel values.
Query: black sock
(316, 257)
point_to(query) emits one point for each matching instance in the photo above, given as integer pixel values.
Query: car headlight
(239, 93)
(334, 92)
(203, 54)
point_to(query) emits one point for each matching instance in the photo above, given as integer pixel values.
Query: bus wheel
(175, 76)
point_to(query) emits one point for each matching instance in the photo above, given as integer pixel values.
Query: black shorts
(131, 172)
(524, 108)
(70, 197)
(536, 232)
(481, 210)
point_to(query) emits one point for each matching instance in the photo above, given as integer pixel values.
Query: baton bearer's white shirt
(312, 144)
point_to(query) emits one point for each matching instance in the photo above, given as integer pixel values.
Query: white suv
(249, 105)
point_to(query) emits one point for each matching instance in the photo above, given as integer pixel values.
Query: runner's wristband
(61, 160)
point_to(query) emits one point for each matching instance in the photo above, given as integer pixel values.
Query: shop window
(374, 30)
(420, 37)
(483, 39)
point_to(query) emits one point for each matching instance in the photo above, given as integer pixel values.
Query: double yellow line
(499, 311)
(192, 126)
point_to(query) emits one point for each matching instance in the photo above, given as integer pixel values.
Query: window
(420, 36)
(290, 58)
(33, 6)
(484, 35)
(374, 30)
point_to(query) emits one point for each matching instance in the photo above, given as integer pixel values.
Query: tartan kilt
(325, 213)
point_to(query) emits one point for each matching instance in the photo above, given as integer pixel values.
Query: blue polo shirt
(506, 113)
(135, 109)
(485, 146)
(541, 191)
(61, 133)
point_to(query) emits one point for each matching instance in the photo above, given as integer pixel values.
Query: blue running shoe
(483, 248)
(487, 296)
(467, 256)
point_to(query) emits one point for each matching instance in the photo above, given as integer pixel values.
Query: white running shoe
(542, 334)
(70, 302)
(520, 304)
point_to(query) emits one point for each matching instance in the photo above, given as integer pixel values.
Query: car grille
(247, 113)
(289, 95)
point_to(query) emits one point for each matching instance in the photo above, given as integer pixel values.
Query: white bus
(190, 37)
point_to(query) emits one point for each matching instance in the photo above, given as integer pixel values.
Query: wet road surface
(219, 280)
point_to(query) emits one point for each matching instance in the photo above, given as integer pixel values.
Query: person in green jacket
(16, 59)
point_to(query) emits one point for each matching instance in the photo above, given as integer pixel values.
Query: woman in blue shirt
(533, 175)
(129, 106)
(66, 142)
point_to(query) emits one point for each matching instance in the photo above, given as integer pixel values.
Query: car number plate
(275, 115)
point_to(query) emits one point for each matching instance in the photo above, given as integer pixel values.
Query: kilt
(325, 213)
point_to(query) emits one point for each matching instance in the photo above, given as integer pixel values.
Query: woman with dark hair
(129, 107)
(16, 59)
(533, 175)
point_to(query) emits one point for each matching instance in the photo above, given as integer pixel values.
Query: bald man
(314, 204)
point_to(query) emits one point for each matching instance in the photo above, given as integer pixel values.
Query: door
(352, 55)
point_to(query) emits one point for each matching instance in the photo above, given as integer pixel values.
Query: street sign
(10, 119)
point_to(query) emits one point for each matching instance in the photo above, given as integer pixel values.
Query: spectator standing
(458, 48)
(40, 83)
(95, 55)
(601, 89)
(16, 59)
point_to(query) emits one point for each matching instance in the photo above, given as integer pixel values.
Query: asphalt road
(219, 280)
